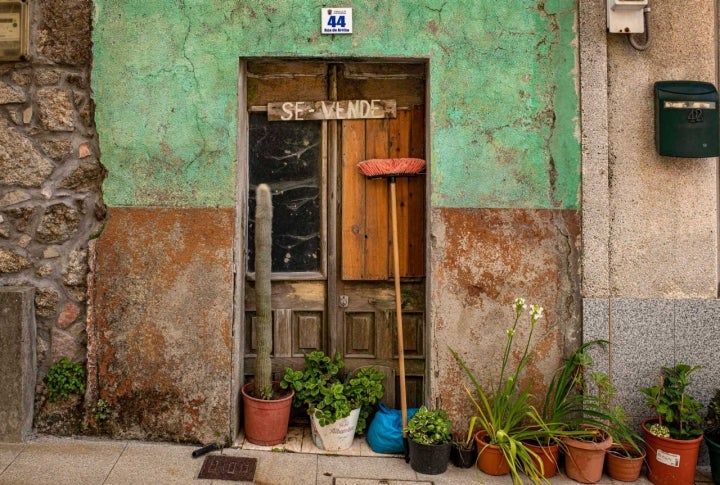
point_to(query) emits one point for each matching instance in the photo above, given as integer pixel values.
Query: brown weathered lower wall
(164, 322)
(482, 259)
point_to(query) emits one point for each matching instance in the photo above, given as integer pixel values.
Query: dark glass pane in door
(286, 155)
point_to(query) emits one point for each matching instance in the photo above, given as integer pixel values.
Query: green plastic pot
(713, 444)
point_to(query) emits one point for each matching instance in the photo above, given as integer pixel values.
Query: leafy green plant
(64, 378)
(677, 410)
(102, 410)
(465, 439)
(612, 415)
(506, 413)
(582, 400)
(429, 427)
(330, 394)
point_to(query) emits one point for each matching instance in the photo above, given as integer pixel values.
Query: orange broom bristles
(391, 167)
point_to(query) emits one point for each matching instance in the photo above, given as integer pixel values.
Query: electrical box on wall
(626, 16)
(686, 119)
(14, 30)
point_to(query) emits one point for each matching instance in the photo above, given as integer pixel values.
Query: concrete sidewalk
(58, 461)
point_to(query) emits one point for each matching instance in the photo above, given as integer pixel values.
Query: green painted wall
(503, 101)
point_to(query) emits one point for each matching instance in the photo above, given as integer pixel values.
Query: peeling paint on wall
(485, 259)
(502, 92)
(502, 109)
(164, 322)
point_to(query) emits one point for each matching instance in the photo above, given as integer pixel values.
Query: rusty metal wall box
(686, 119)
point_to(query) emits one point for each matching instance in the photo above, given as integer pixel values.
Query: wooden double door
(333, 287)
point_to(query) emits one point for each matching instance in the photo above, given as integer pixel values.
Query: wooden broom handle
(398, 304)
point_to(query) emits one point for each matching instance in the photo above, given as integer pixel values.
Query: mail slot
(686, 119)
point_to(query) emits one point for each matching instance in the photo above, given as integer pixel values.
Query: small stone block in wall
(84, 151)
(17, 361)
(10, 95)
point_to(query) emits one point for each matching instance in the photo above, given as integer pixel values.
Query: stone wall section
(51, 204)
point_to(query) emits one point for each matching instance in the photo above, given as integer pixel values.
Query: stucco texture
(649, 221)
(502, 136)
(491, 257)
(502, 92)
(163, 284)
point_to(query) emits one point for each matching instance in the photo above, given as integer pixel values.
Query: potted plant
(712, 435)
(507, 419)
(338, 404)
(626, 455)
(464, 449)
(266, 407)
(624, 462)
(673, 438)
(429, 440)
(580, 400)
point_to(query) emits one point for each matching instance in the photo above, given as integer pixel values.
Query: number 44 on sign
(336, 20)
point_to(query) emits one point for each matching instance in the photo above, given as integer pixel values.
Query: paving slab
(372, 481)
(8, 452)
(151, 463)
(279, 468)
(60, 462)
(362, 467)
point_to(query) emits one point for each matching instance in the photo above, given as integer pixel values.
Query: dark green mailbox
(686, 119)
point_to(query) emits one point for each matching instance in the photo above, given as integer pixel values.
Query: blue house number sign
(336, 20)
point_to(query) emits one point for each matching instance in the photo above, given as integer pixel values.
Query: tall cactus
(263, 269)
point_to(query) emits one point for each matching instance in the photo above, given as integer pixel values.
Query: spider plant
(506, 412)
(582, 400)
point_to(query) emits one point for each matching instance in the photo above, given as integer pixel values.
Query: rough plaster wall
(649, 222)
(167, 110)
(163, 286)
(595, 172)
(663, 210)
(502, 115)
(483, 259)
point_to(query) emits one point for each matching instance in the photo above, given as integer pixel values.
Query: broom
(391, 168)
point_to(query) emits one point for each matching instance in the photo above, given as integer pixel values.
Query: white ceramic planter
(336, 436)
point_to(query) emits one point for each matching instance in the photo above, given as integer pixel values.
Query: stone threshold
(299, 440)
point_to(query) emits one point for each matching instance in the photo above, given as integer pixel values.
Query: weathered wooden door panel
(275, 81)
(366, 232)
(369, 328)
(361, 322)
(404, 82)
(299, 323)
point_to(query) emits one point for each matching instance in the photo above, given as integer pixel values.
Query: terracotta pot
(670, 461)
(491, 459)
(584, 460)
(266, 421)
(622, 467)
(548, 457)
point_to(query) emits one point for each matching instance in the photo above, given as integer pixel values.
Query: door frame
(240, 243)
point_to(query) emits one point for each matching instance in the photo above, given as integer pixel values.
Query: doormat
(375, 481)
(223, 467)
